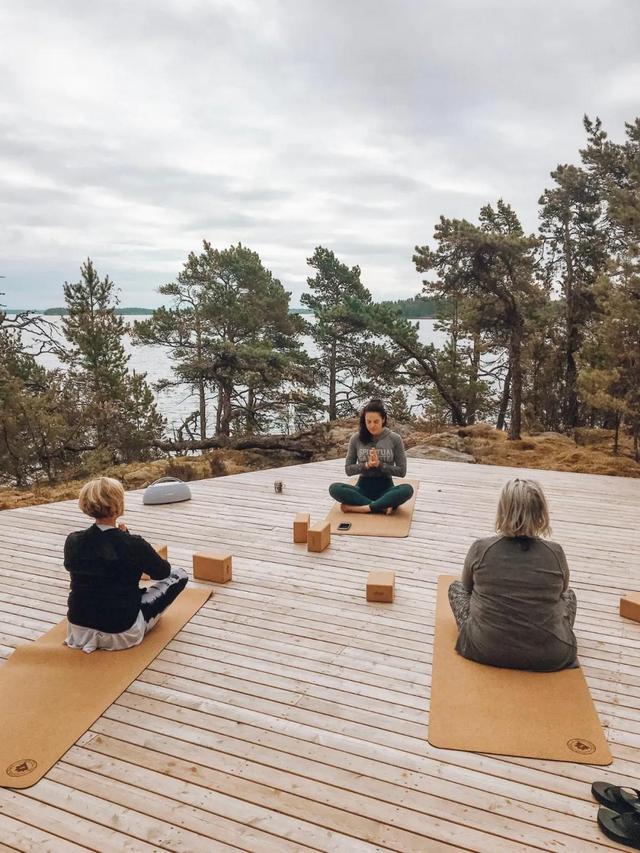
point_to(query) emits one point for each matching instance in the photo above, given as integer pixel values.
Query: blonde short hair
(523, 510)
(102, 498)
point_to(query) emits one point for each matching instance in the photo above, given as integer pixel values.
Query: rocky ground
(588, 451)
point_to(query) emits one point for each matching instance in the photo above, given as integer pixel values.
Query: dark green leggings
(378, 493)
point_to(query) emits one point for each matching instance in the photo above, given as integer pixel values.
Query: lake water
(177, 403)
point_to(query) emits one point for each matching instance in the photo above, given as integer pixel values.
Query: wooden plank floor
(290, 714)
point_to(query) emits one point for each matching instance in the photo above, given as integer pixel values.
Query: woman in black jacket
(107, 609)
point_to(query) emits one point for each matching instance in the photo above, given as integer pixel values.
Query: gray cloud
(132, 131)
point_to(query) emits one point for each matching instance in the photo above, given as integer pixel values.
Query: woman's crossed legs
(460, 601)
(160, 594)
(355, 500)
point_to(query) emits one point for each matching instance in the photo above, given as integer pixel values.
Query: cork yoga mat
(367, 524)
(50, 694)
(478, 708)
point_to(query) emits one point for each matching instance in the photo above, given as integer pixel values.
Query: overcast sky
(132, 129)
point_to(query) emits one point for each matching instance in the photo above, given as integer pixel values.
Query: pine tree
(230, 332)
(610, 378)
(98, 368)
(610, 372)
(574, 238)
(38, 423)
(95, 332)
(492, 263)
(341, 350)
(185, 331)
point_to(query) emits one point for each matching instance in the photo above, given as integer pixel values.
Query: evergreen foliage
(610, 375)
(573, 231)
(418, 307)
(38, 418)
(492, 265)
(230, 334)
(342, 349)
(119, 409)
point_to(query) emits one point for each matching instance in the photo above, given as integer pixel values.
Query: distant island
(417, 307)
(62, 312)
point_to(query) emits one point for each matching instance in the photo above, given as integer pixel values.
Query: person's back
(105, 568)
(513, 606)
(517, 613)
(106, 607)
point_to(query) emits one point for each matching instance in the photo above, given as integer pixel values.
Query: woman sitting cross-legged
(513, 606)
(376, 454)
(107, 607)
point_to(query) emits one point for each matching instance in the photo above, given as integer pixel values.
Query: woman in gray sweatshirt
(514, 607)
(376, 454)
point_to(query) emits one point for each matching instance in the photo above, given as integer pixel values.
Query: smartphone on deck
(344, 525)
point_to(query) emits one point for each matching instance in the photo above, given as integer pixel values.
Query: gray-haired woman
(513, 606)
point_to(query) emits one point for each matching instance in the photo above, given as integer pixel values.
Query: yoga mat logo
(21, 768)
(581, 746)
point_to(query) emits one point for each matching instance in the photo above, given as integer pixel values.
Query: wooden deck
(290, 714)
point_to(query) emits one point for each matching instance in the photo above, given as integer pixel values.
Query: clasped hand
(373, 461)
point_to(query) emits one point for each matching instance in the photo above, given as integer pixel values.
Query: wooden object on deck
(215, 568)
(319, 537)
(301, 526)
(630, 606)
(380, 586)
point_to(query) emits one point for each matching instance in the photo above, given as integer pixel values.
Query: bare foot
(349, 508)
(388, 510)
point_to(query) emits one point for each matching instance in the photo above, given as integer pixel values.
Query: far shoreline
(140, 312)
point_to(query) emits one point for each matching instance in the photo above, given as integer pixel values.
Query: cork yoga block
(630, 606)
(212, 567)
(319, 536)
(163, 551)
(380, 586)
(301, 526)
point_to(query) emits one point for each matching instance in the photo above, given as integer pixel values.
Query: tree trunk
(616, 436)
(333, 408)
(504, 400)
(201, 382)
(219, 410)
(472, 401)
(203, 409)
(250, 419)
(46, 460)
(226, 413)
(573, 337)
(515, 346)
(571, 375)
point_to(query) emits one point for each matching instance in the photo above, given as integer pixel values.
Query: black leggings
(159, 595)
(378, 493)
